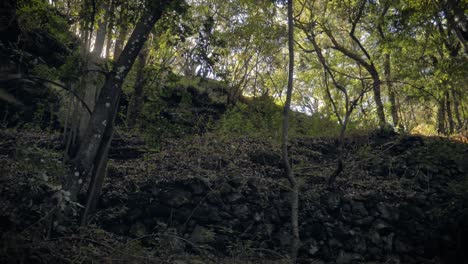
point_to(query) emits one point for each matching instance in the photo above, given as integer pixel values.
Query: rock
(207, 214)
(158, 210)
(225, 188)
(236, 182)
(402, 247)
(375, 252)
(198, 188)
(258, 216)
(134, 214)
(382, 227)
(284, 238)
(358, 245)
(180, 261)
(334, 243)
(375, 238)
(138, 229)
(202, 235)
(332, 201)
(345, 257)
(313, 249)
(316, 230)
(176, 197)
(387, 213)
(393, 260)
(364, 221)
(359, 209)
(234, 197)
(388, 242)
(241, 211)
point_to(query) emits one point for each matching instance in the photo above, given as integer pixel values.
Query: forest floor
(229, 181)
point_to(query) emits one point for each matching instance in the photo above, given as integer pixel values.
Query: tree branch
(29, 77)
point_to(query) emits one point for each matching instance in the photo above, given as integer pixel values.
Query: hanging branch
(36, 78)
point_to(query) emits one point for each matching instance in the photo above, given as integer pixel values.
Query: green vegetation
(226, 118)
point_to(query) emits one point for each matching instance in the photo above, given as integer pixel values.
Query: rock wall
(385, 220)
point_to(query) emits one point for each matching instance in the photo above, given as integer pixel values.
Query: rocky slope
(401, 199)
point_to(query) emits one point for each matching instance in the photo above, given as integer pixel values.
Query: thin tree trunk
(391, 91)
(120, 41)
(449, 112)
(378, 98)
(284, 146)
(136, 103)
(110, 28)
(441, 117)
(456, 109)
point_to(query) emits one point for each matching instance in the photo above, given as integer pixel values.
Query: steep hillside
(401, 199)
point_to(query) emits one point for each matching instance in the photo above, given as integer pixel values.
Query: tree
(294, 199)
(91, 157)
(136, 102)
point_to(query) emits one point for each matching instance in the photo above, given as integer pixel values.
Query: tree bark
(110, 28)
(101, 122)
(377, 97)
(448, 106)
(294, 199)
(101, 31)
(391, 91)
(441, 118)
(120, 41)
(456, 109)
(136, 103)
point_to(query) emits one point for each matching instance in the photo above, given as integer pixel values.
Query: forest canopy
(374, 63)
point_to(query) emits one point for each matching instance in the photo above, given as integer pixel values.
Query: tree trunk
(120, 41)
(136, 103)
(378, 98)
(456, 109)
(110, 28)
(284, 146)
(441, 117)
(100, 125)
(449, 112)
(101, 31)
(391, 91)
